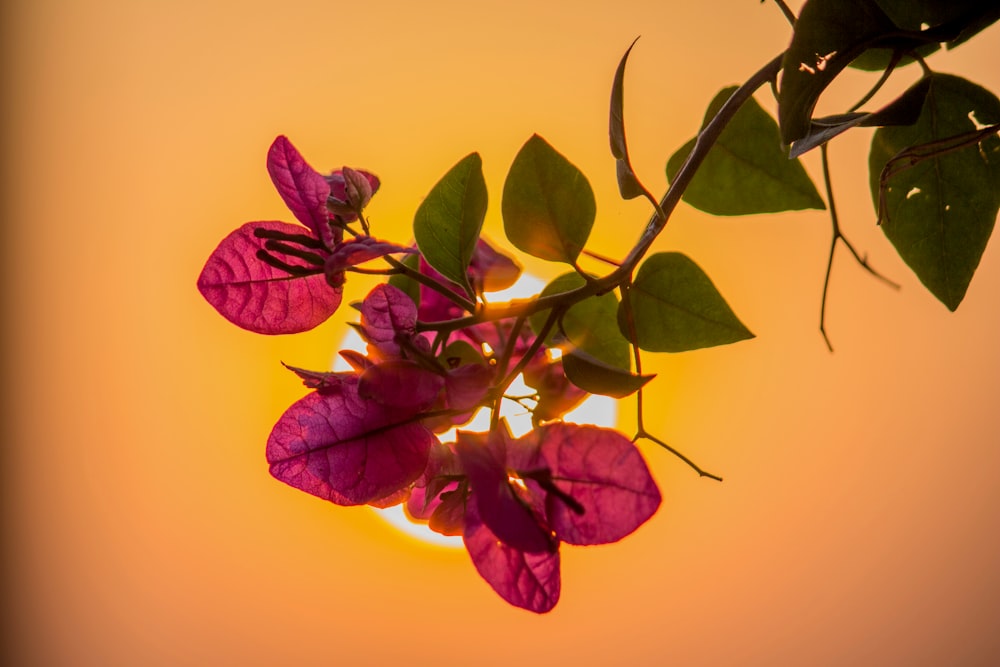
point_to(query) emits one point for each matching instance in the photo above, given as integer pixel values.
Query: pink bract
(259, 297)
(348, 450)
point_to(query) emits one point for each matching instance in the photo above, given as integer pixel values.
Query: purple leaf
(448, 517)
(508, 517)
(401, 384)
(345, 449)
(492, 271)
(386, 312)
(526, 580)
(602, 471)
(259, 297)
(304, 190)
(467, 385)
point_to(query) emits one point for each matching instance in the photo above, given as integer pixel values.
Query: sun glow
(596, 410)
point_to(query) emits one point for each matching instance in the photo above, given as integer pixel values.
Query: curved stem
(443, 290)
(704, 142)
(692, 464)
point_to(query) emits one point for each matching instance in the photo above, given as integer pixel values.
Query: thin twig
(838, 235)
(457, 299)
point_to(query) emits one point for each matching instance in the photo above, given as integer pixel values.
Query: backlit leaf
(589, 325)
(676, 307)
(829, 34)
(548, 206)
(593, 375)
(346, 449)
(904, 110)
(507, 517)
(939, 213)
(602, 471)
(259, 297)
(300, 186)
(526, 580)
(746, 171)
(447, 224)
(628, 184)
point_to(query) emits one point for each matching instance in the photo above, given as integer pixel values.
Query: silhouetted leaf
(829, 34)
(447, 224)
(597, 377)
(939, 213)
(548, 206)
(746, 171)
(676, 307)
(628, 183)
(904, 110)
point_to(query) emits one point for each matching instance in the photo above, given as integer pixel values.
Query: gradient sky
(857, 523)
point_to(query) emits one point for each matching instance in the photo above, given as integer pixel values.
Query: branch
(704, 142)
(838, 235)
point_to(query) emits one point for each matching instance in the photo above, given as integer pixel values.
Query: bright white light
(596, 410)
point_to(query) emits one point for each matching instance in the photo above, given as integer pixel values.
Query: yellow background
(857, 523)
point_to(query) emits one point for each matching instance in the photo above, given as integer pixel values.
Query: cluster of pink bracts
(370, 435)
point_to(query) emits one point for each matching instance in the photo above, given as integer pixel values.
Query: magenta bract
(345, 449)
(366, 435)
(601, 470)
(277, 278)
(527, 580)
(509, 517)
(260, 297)
(303, 189)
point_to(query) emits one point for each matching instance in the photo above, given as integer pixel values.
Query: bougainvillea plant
(391, 431)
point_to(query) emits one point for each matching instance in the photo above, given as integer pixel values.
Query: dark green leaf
(953, 22)
(408, 285)
(939, 213)
(447, 224)
(628, 184)
(904, 110)
(676, 307)
(589, 325)
(593, 375)
(548, 206)
(829, 34)
(746, 171)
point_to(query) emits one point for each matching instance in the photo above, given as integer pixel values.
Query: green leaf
(829, 34)
(676, 307)
(403, 282)
(904, 110)
(940, 212)
(589, 325)
(746, 171)
(447, 224)
(596, 377)
(548, 206)
(628, 183)
(953, 22)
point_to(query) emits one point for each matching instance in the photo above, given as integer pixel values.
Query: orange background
(857, 523)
